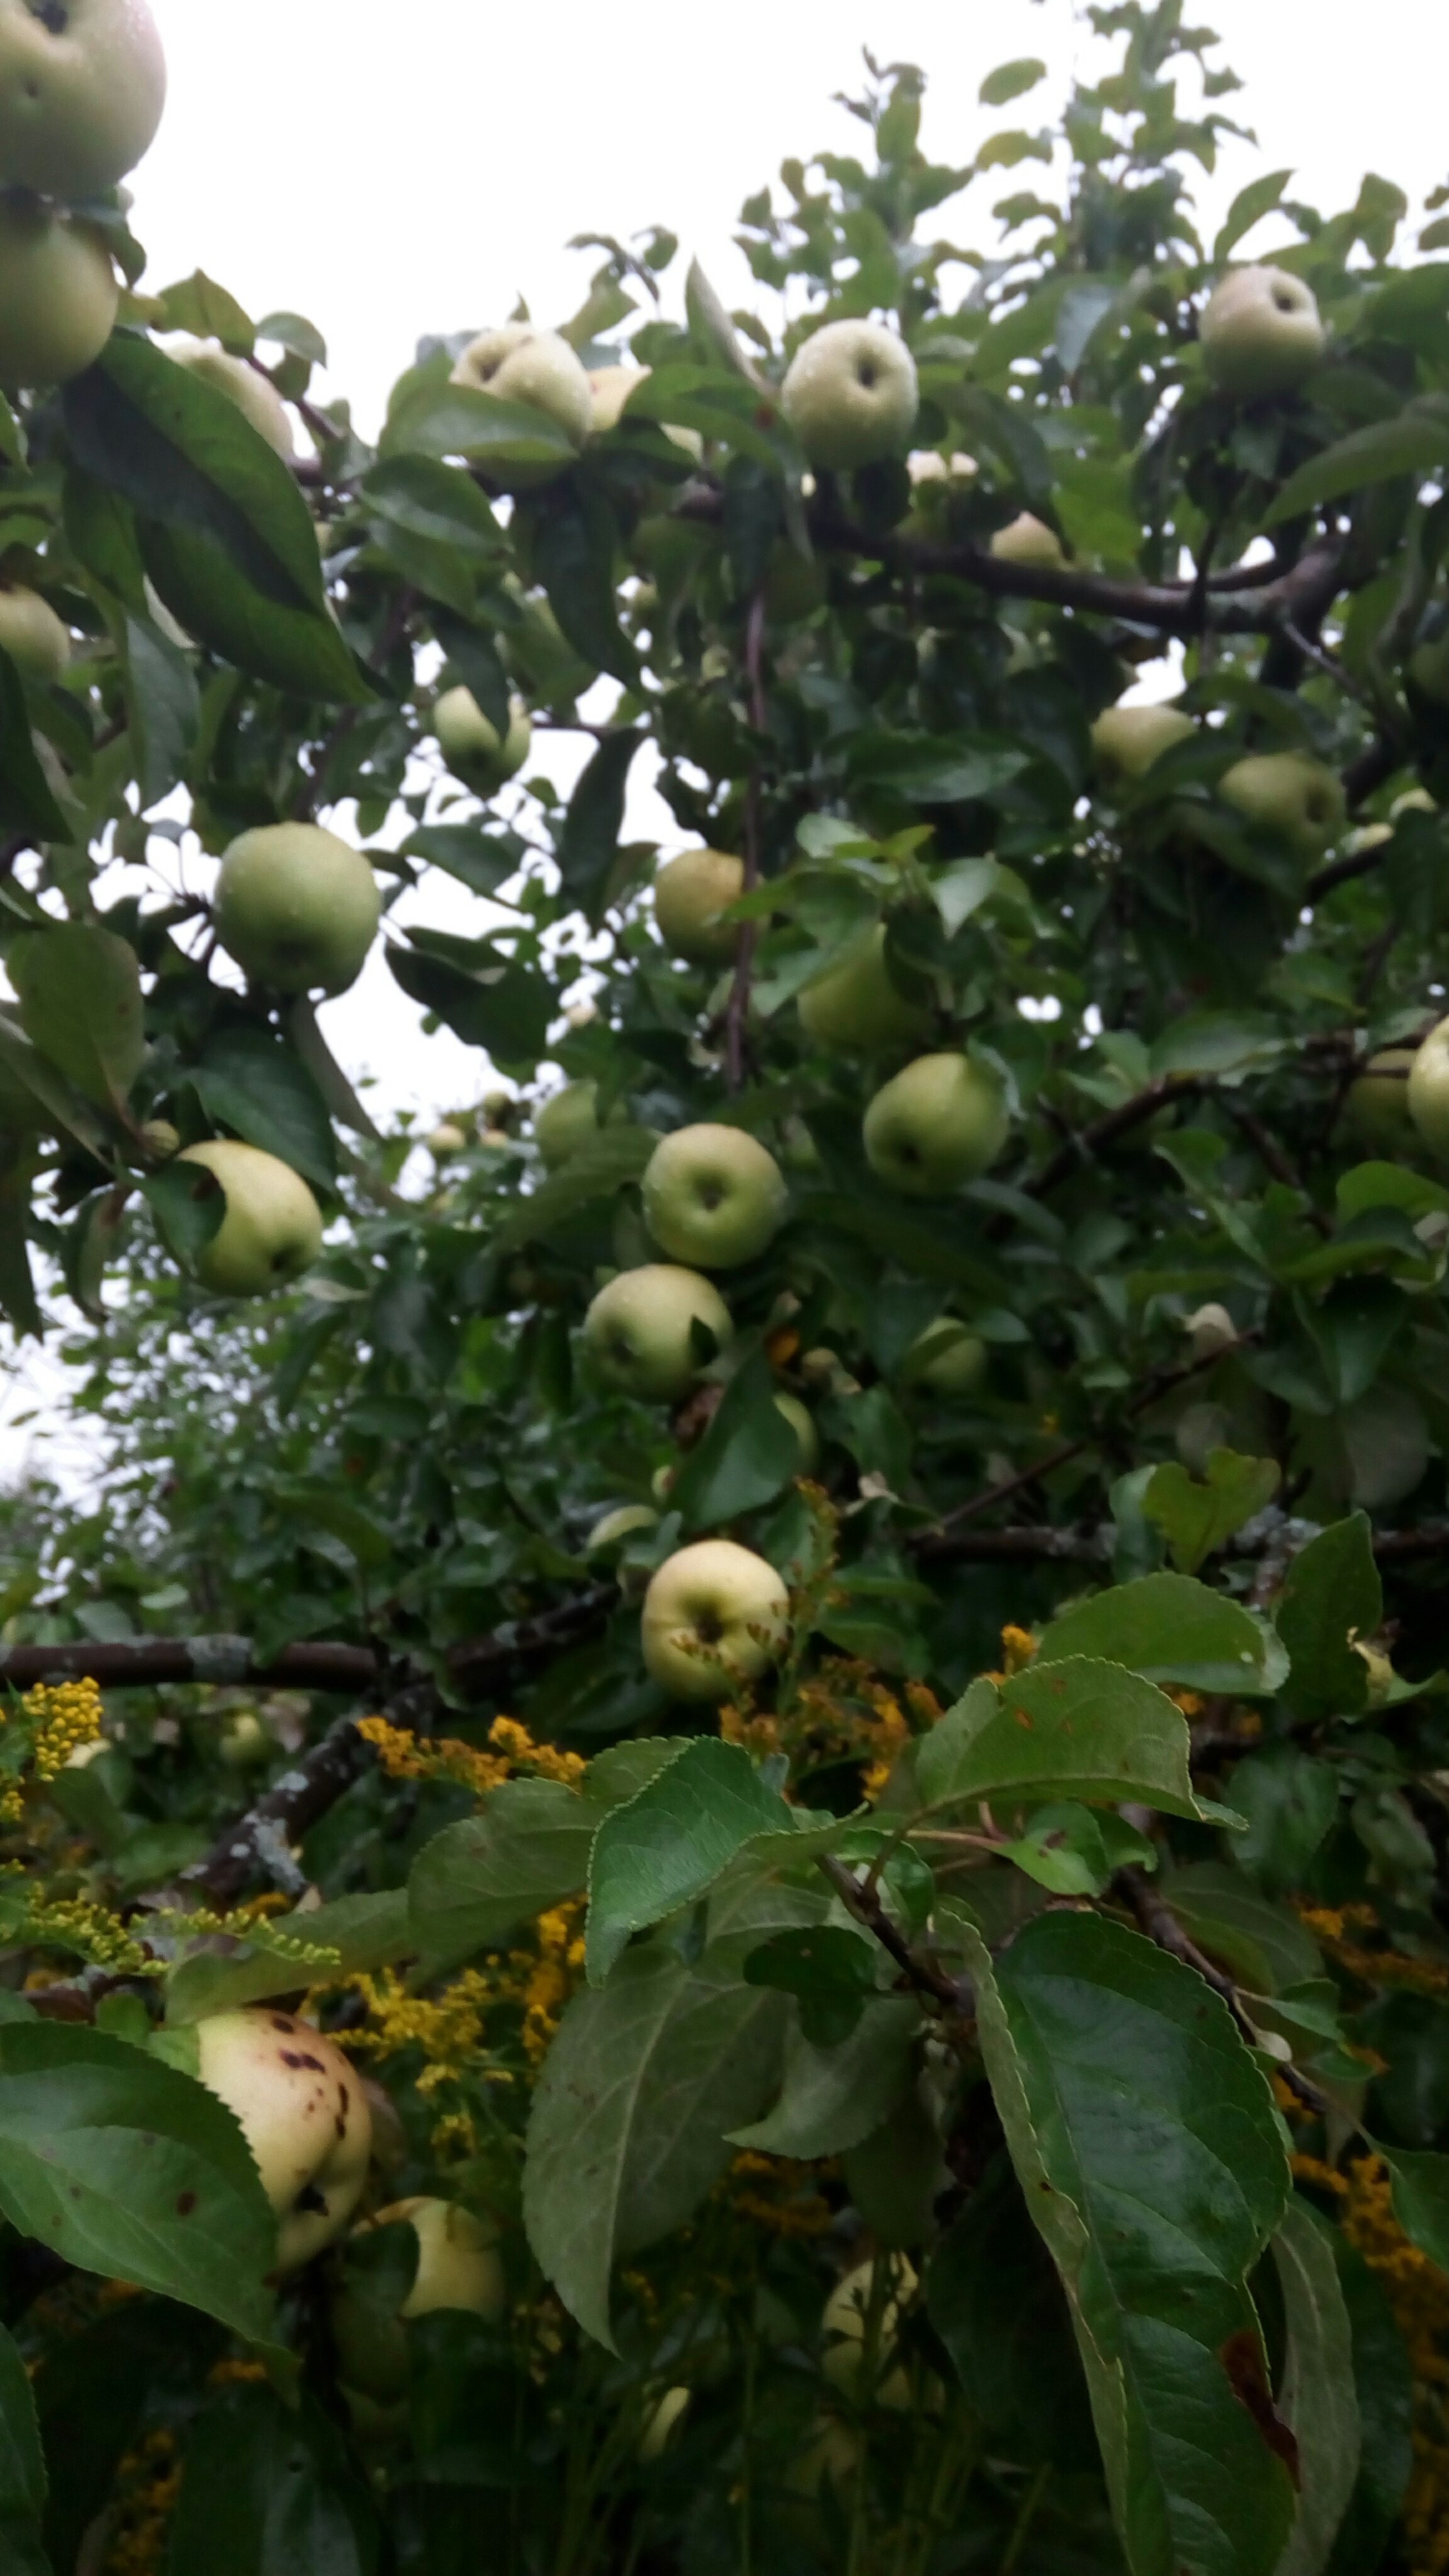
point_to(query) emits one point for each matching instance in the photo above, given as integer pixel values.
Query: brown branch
(1303, 592)
(923, 1973)
(474, 1668)
(1080, 1149)
(1271, 1155)
(737, 1010)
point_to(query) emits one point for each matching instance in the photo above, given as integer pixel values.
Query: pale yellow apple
(254, 394)
(850, 395)
(1028, 540)
(640, 1329)
(58, 294)
(36, 639)
(1377, 1105)
(844, 2324)
(928, 465)
(272, 1229)
(1261, 332)
(947, 1357)
(714, 1196)
(1286, 792)
(856, 1007)
(690, 893)
(82, 87)
(469, 742)
(521, 364)
(609, 390)
(304, 2115)
(1127, 740)
(939, 1123)
(459, 2265)
(1428, 1089)
(715, 1618)
(297, 908)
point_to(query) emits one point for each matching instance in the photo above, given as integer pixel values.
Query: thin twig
(737, 1011)
(922, 1973)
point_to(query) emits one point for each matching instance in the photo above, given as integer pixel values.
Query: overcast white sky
(390, 167)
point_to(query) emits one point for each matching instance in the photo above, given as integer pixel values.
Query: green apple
(1261, 333)
(445, 1140)
(802, 1423)
(244, 1744)
(254, 394)
(569, 1120)
(1127, 740)
(1429, 669)
(58, 294)
(304, 2115)
(297, 908)
(1377, 1106)
(524, 365)
(690, 893)
(272, 1229)
(34, 637)
(1428, 1089)
(640, 1329)
(851, 396)
(941, 1122)
(947, 1357)
(626, 1520)
(1026, 540)
(713, 1196)
(82, 87)
(845, 2322)
(715, 1617)
(1290, 794)
(857, 1008)
(470, 744)
(1210, 1330)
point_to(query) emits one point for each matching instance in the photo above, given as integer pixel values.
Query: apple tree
(724, 1845)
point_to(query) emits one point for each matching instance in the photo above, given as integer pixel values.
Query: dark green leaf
(436, 418)
(165, 709)
(474, 656)
(266, 2491)
(1149, 2153)
(830, 1972)
(476, 1881)
(27, 801)
(1086, 1731)
(249, 1080)
(1248, 208)
(502, 1007)
(1198, 1516)
(1416, 443)
(589, 843)
(1318, 2396)
(664, 1847)
(1010, 80)
(189, 1205)
(480, 860)
(1332, 1595)
(198, 305)
(22, 2469)
(834, 2098)
(1290, 1801)
(81, 1005)
(574, 542)
(125, 2167)
(1172, 1631)
(995, 2300)
(748, 1455)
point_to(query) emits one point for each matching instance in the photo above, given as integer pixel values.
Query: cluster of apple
(304, 2114)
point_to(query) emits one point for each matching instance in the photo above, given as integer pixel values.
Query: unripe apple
(713, 1196)
(304, 2116)
(1289, 794)
(947, 1357)
(1027, 540)
(941, 1122)
(445, 1140)
(32, 634)
(254, 394)
(856, 1007)
(1429, 669)
(851, 395)
(82, 87)
(1428, 1090)
(640, 1329)
(524, 365)
(244, 1743)
(568, 1120)
(802, 1423)
(272, 1229)
(1261, 333)
(843, 2325)
(715, 1617)
(297, 908)
(609, 390)
(161, 1140)
(1415, 800)
(690, 893)
(1377, 1105)
(1211, 1331)
(470, 745)
(1127, 740)
(58, 294)
(458, 2268)
(625, 1521)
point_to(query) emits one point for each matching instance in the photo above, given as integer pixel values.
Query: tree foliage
(1048, 1938)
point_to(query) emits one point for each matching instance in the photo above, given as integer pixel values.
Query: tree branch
(1080, 1149)
(923, 1974)
(738, 1009)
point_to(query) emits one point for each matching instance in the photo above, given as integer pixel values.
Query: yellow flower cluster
(1419, 2296)
(448, 2028)
(150, 2482)
(844, 1714)
(1331, 1927)
(778, 2195)
(65, 1715)
(91, 1931)
(551, 1977)
(405, 1757)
